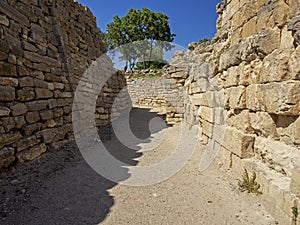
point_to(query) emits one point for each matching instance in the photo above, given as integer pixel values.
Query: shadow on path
(60, 188)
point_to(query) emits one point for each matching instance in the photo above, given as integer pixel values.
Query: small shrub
(203, 40)
(249, 184)
(295, 213)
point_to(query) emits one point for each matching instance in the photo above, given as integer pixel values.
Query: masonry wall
(45, 47)
(243, 90)
(165, 93)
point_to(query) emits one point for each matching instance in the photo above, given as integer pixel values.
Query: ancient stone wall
(165, 93)
(243, 90)
(45, 47)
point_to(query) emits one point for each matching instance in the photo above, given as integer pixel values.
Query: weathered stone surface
(32, 153)
(18, 109)
(295, 182)
(4, 111)
(263, 124)
(4, 21)
(42, 93)
(6, 157)
(37, 105)
(277, 155)
(7, 139)
(32, 117)
(7, 93)
(239, 143)
(32, 128)
(285, 101)
(26, 82)
(25, 94)
(26, 142)
(8, 69)
(8, 81)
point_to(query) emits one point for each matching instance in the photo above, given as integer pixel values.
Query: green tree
(138, 33)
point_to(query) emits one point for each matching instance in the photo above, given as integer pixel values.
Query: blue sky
(190, 20)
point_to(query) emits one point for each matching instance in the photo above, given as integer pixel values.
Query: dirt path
(60, 188)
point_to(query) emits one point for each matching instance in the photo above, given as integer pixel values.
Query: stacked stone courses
(45, 48)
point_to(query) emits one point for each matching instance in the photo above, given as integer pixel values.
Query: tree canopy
(138, 35)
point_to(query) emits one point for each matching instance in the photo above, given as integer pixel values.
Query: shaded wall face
(45, 47)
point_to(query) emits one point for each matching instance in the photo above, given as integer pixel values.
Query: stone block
(32, 128)
(239, 143)
(4, 111)
(47, 115)
(9, 138)
(249, 28)
(277, 155)
(7, 93)
(25, 94)
(275, 67)
(6, 157)
(235, 97)
(7, 69)
(8, 81)
(18, 109)
(263, 124)
(26, 82)
(32, 153)
(25, 143)
(32, 117)
(37, 105)
(295, 182)
(19, 121)
(207, 128)
(42, 93)
(284, 101)
(4, 21)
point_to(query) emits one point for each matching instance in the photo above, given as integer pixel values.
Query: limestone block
(280, 13)
(206, 113)
(207, 128)
(32, 117)
(180, 74)
(24, 143)
(37, 105)
(275, 67)
(4, 111)
(6, 157)
(25, 94)
(7, 93)
(277, 155)
(231, 76)
(294, 8)
(284, 101)
(32, 128)
(19, 121)
(240, 120)
(249, 28)
(43, 93)
(32, 153)
(294, 64)
(8, 81)
(18, 109)
(236, 97)
(295, 182)
(238, 143)
(4, 21)
(9, 138)
(263, 124)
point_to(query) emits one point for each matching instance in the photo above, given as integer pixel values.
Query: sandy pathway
(60, 188)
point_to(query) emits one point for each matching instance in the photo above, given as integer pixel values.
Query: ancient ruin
(242, 88)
